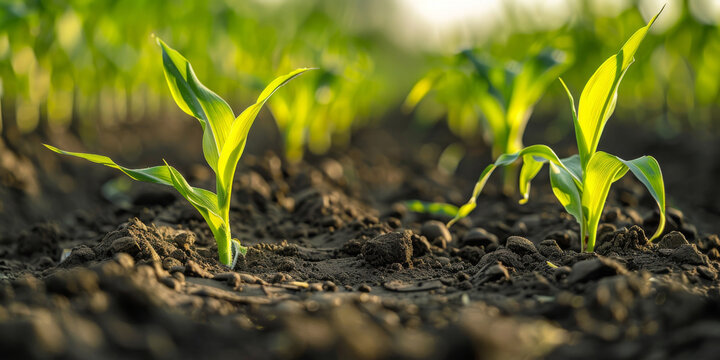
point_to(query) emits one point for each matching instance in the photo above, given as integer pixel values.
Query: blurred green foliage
(83, 65)
(677, 88)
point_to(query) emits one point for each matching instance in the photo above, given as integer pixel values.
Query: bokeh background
(86, 74)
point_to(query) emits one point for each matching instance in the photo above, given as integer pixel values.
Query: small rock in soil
(316, 287)
(494, 272)
(279, 278)
(434, 229)
(688, 254)
(420, 245)
(185, 240)
(550, 248)
(394, 247)
(329, 286)
(365, 288)
(169, 263)
(79, 255)
(521, 245)
(593, 269)
(479, 237)
(503, 256)
(673, 240)
(566, 239)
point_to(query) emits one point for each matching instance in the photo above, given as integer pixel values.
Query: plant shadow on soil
(337, 268)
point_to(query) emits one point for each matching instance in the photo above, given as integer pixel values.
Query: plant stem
(585, 244)
(224, 245)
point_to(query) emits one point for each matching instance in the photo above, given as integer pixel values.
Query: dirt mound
(337, 269)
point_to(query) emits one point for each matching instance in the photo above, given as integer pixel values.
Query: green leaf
(602, 170)
(195, 99)
(420, 90)
(579, 138)
(540, 151)
(598, 99)
(155, 174)
(566, 191)
(572, 164)
(531, 166)
(237, 137)
(433, 208)
(647, 170)
(200, 198)
(206, 204)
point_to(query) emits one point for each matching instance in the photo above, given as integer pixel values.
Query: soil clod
(688, 254)
(479, 237)
(521, 246)
(394, 247)
(593, 269)
(672, 240)
(434, 230)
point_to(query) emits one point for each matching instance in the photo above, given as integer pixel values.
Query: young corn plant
(505, 95)
(581, 182)
(223, 141)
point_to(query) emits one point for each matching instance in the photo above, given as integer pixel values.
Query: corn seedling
(223, 141)
(582, 182)
(505, 95)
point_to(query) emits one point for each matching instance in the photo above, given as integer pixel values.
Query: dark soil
(337, 268)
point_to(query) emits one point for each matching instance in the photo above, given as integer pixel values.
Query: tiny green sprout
(505, 94)
(582, 182)
(223, 141)
(432, 208)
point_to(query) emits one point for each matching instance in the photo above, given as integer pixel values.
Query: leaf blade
(647, 170)
(602, 170)
(566, 191)
(433, 208)
(214, 114)
(599, 97)
(541, 151)
(237, 137)
(156, 174)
